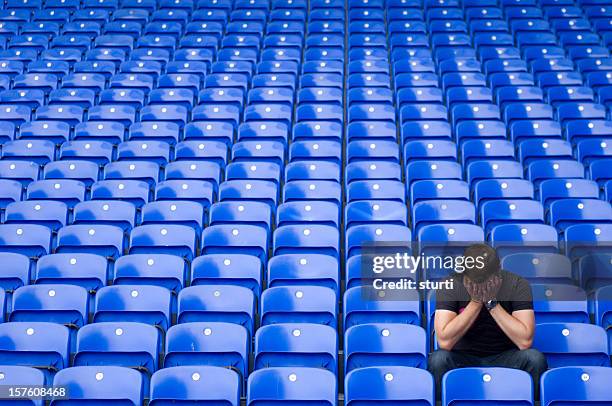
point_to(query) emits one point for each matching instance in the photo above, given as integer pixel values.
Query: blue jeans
(531, 361)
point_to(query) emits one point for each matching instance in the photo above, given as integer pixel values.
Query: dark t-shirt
(485, 337)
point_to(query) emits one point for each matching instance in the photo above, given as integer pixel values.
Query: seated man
(485, 320)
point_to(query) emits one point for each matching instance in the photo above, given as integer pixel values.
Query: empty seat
(583, 385)
(559, 303)
(64, 304)
(104, 384)
(16, 271)
(361, 306)
(38, 344)
(86, 270)
(465, 386)
(388, 384)
(51, 214)
(298, 304)
(572, 344)
(33, 240)
(195, 384)
(296, 345)
(132, 345)
(164, 270)
(97, 239)
(134, 303)
(303, 269)
(216, 303)
(291, 385)
(174, 239)
(384, 344)
(18, 376)
(208, 343)
(540, 267)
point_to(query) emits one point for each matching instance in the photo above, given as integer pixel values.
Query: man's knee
(533, 359)
(440, 360)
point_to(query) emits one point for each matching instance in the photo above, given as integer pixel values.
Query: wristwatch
(490, 305)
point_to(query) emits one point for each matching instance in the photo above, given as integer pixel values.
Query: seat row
(292, 385)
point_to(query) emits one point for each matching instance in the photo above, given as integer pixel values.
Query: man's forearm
(518, 332)
(449, 334)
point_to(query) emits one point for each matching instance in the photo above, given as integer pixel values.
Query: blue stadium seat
(97, 239)
(306, 238)
(32, 240)
(296, 345)
(64, 304)
(68, 269)
(292, 385)
(228, 269)
(22, 375)
(303, 269)
(568, 212)
(206, 384)
(559, 303)
(298, 304)
(235, 239)
(384, 344)
(361, 307)
(466, 386)
(163, 270)
(69, 191)
(572, 344)
(389, 384)
(103, 384)
(45, 346)
(134, 303)
(132, 345)
(215, 303)
(52, 214)
(575, 384)
(540, 267)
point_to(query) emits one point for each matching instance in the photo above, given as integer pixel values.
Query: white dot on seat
(385, 332)
(299, 294)
(227, 262)
(292, 377)
(119, 332)
(486, 378)
(99, 376)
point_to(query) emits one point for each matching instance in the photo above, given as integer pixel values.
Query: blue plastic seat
(315, 385)
(575, 384)
(141, 170)
(134, 303)
(235, 239)
(541, 268)
(258, 190)
(52, 214)
(195, 384)
(556, 189)
(84, 171)
(69, 269)
(566, 212)
(202, 150)
(496, 212)
(559, 303)
(64, 304)
(361, 236)
(466, 386)
(68, 191)
(384, 344)
(307, 238)
(134, 191)
(572, 344)
(45, 346)
(217, 303)
(163, 270)
(362, 307)
(125, 344)
(303, 270)
(389, 384)
(298, 304)
(441, 210)
(38, 151)
(174, 239)
(296, 345)
(32, 240)
(112, 132)
(524, 237)
(246, 212)
(103, 384)
(594, 271)
(199, 191)
(228, 269)
(116, 213)
(22, 375)
(100, 239)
